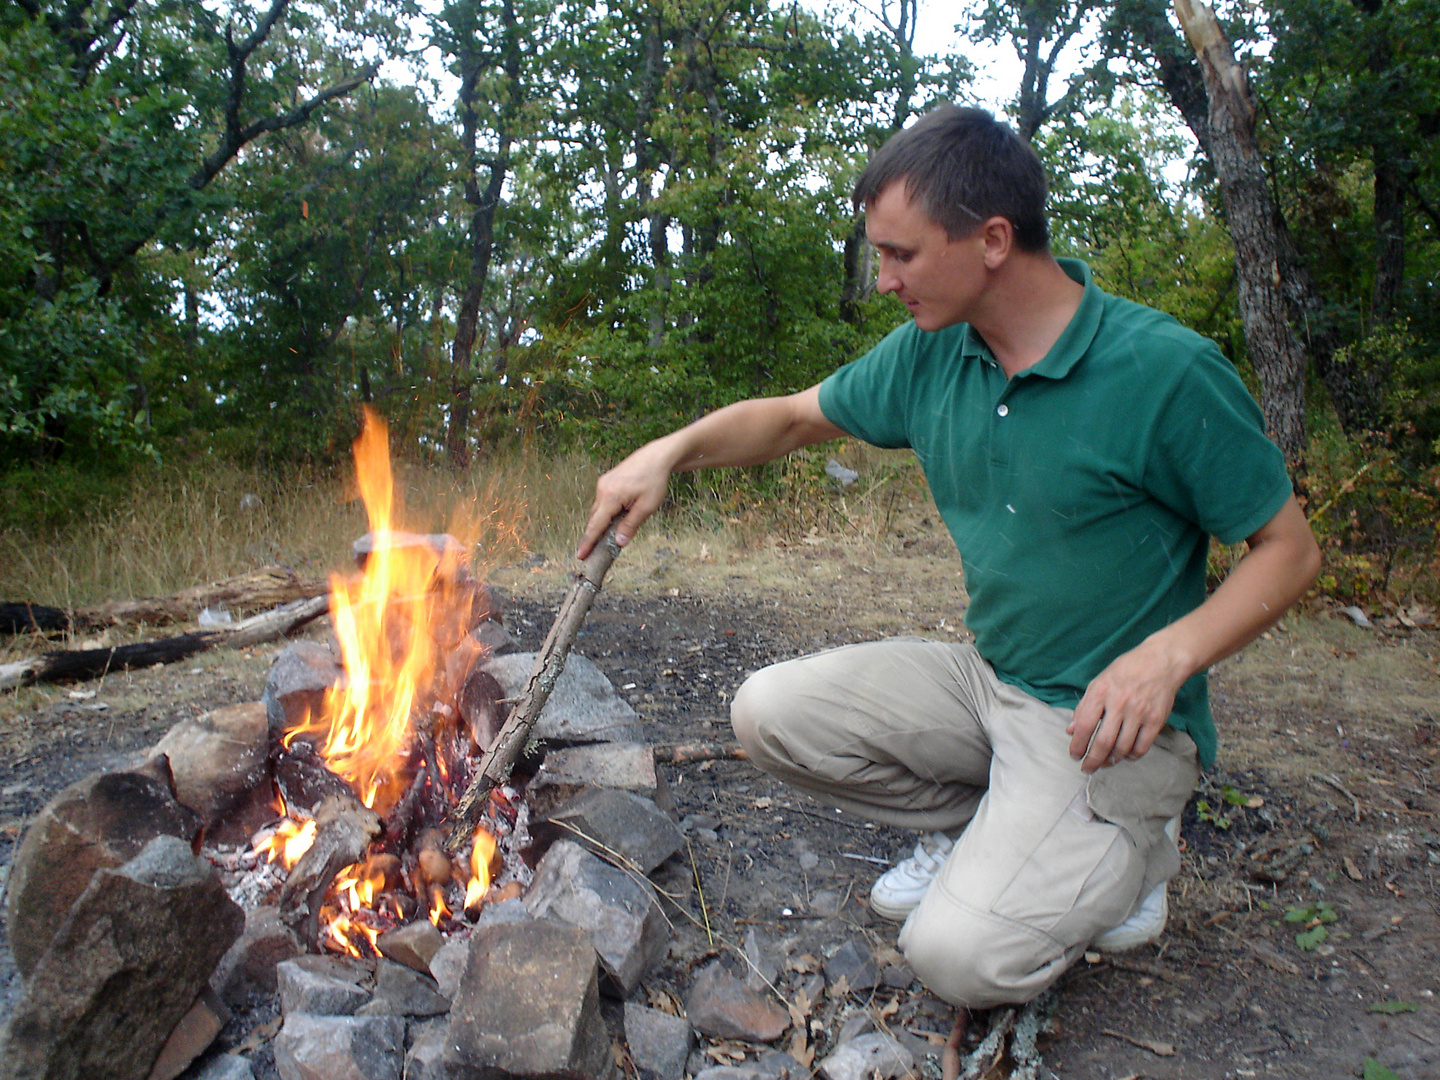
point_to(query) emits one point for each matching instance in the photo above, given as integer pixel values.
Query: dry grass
(178, 527)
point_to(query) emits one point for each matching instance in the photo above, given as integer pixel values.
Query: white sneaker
(1147, 922)
(897, 892)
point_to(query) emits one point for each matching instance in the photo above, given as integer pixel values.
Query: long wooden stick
(543, 676)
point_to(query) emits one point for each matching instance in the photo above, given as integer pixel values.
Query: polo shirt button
(1003, 410)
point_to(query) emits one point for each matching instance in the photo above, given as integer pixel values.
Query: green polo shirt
(1081, 493)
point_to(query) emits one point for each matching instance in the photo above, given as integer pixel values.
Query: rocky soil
(1304, 924)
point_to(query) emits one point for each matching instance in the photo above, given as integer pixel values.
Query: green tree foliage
(114, 121)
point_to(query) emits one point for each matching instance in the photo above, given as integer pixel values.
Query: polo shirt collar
(1072, 343)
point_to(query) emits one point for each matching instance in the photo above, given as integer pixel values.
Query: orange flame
(290, 840)
(387, 620)
(481, 852)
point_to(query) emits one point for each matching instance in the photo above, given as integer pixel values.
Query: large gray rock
(613, 823)
(296, 683)
(323, 985)
(618, 911)
(403, 991)
(529, 1007)
(97, 823)
(312, 1047)
(583, 707)
(123, 969)
(219, 762)
(624, 766)
(248, 967)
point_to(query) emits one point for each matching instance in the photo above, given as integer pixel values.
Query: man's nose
(886, 280)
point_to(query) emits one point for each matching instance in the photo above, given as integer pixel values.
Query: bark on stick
(543, 676)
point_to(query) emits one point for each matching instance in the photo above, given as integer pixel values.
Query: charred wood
(65, 665)
(344, 828)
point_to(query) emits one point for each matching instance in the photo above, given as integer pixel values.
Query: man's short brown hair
(962, 166)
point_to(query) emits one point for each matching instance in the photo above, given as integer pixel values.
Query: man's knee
(980, 960)
(755, 707)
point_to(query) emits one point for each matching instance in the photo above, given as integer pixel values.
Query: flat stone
(123, 969)
(620, 914)
(323, 985)
(507, 911)
(192, 1036)
(248, 967)
(612, 823)
(529, 1006)
(403, 991)
(624, 766)
(219, 761)
(296, 683)
(659, 1043)
(414, 944)
(721, 1006)
(855, 965)
(761, 968)
(101, 822)
(311, 1047)
(425, 1060)
(875, 1056)
(448, 966)
(224, 1067)
(583, 707)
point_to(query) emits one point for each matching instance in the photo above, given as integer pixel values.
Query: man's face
(937, 279)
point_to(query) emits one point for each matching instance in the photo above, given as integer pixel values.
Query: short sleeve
(1212, 462)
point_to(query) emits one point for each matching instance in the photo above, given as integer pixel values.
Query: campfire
(367, 781)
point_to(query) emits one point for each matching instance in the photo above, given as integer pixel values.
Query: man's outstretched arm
(746, 433)
(1127, 704)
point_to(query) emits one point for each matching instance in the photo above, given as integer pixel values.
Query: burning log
(304, 779)
(548, 665)
(67, 664)
(344, 828)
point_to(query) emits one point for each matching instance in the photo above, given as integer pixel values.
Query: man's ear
(999, 237)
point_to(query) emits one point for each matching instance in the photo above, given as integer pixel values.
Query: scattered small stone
(761, 966)
(659, 1043)
(721, 1006)
(854, 964)
(874, 1056)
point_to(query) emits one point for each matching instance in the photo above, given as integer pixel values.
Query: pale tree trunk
(1256, 230)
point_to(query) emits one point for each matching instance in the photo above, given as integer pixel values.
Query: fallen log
(549, 663)
(254, 590)
(64, 665)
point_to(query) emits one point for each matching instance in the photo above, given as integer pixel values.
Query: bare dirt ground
(1319, 820)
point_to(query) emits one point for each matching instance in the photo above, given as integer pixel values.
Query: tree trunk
(1255, 230)
(484, 203)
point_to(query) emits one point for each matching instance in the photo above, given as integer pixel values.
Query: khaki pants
(921, 734)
